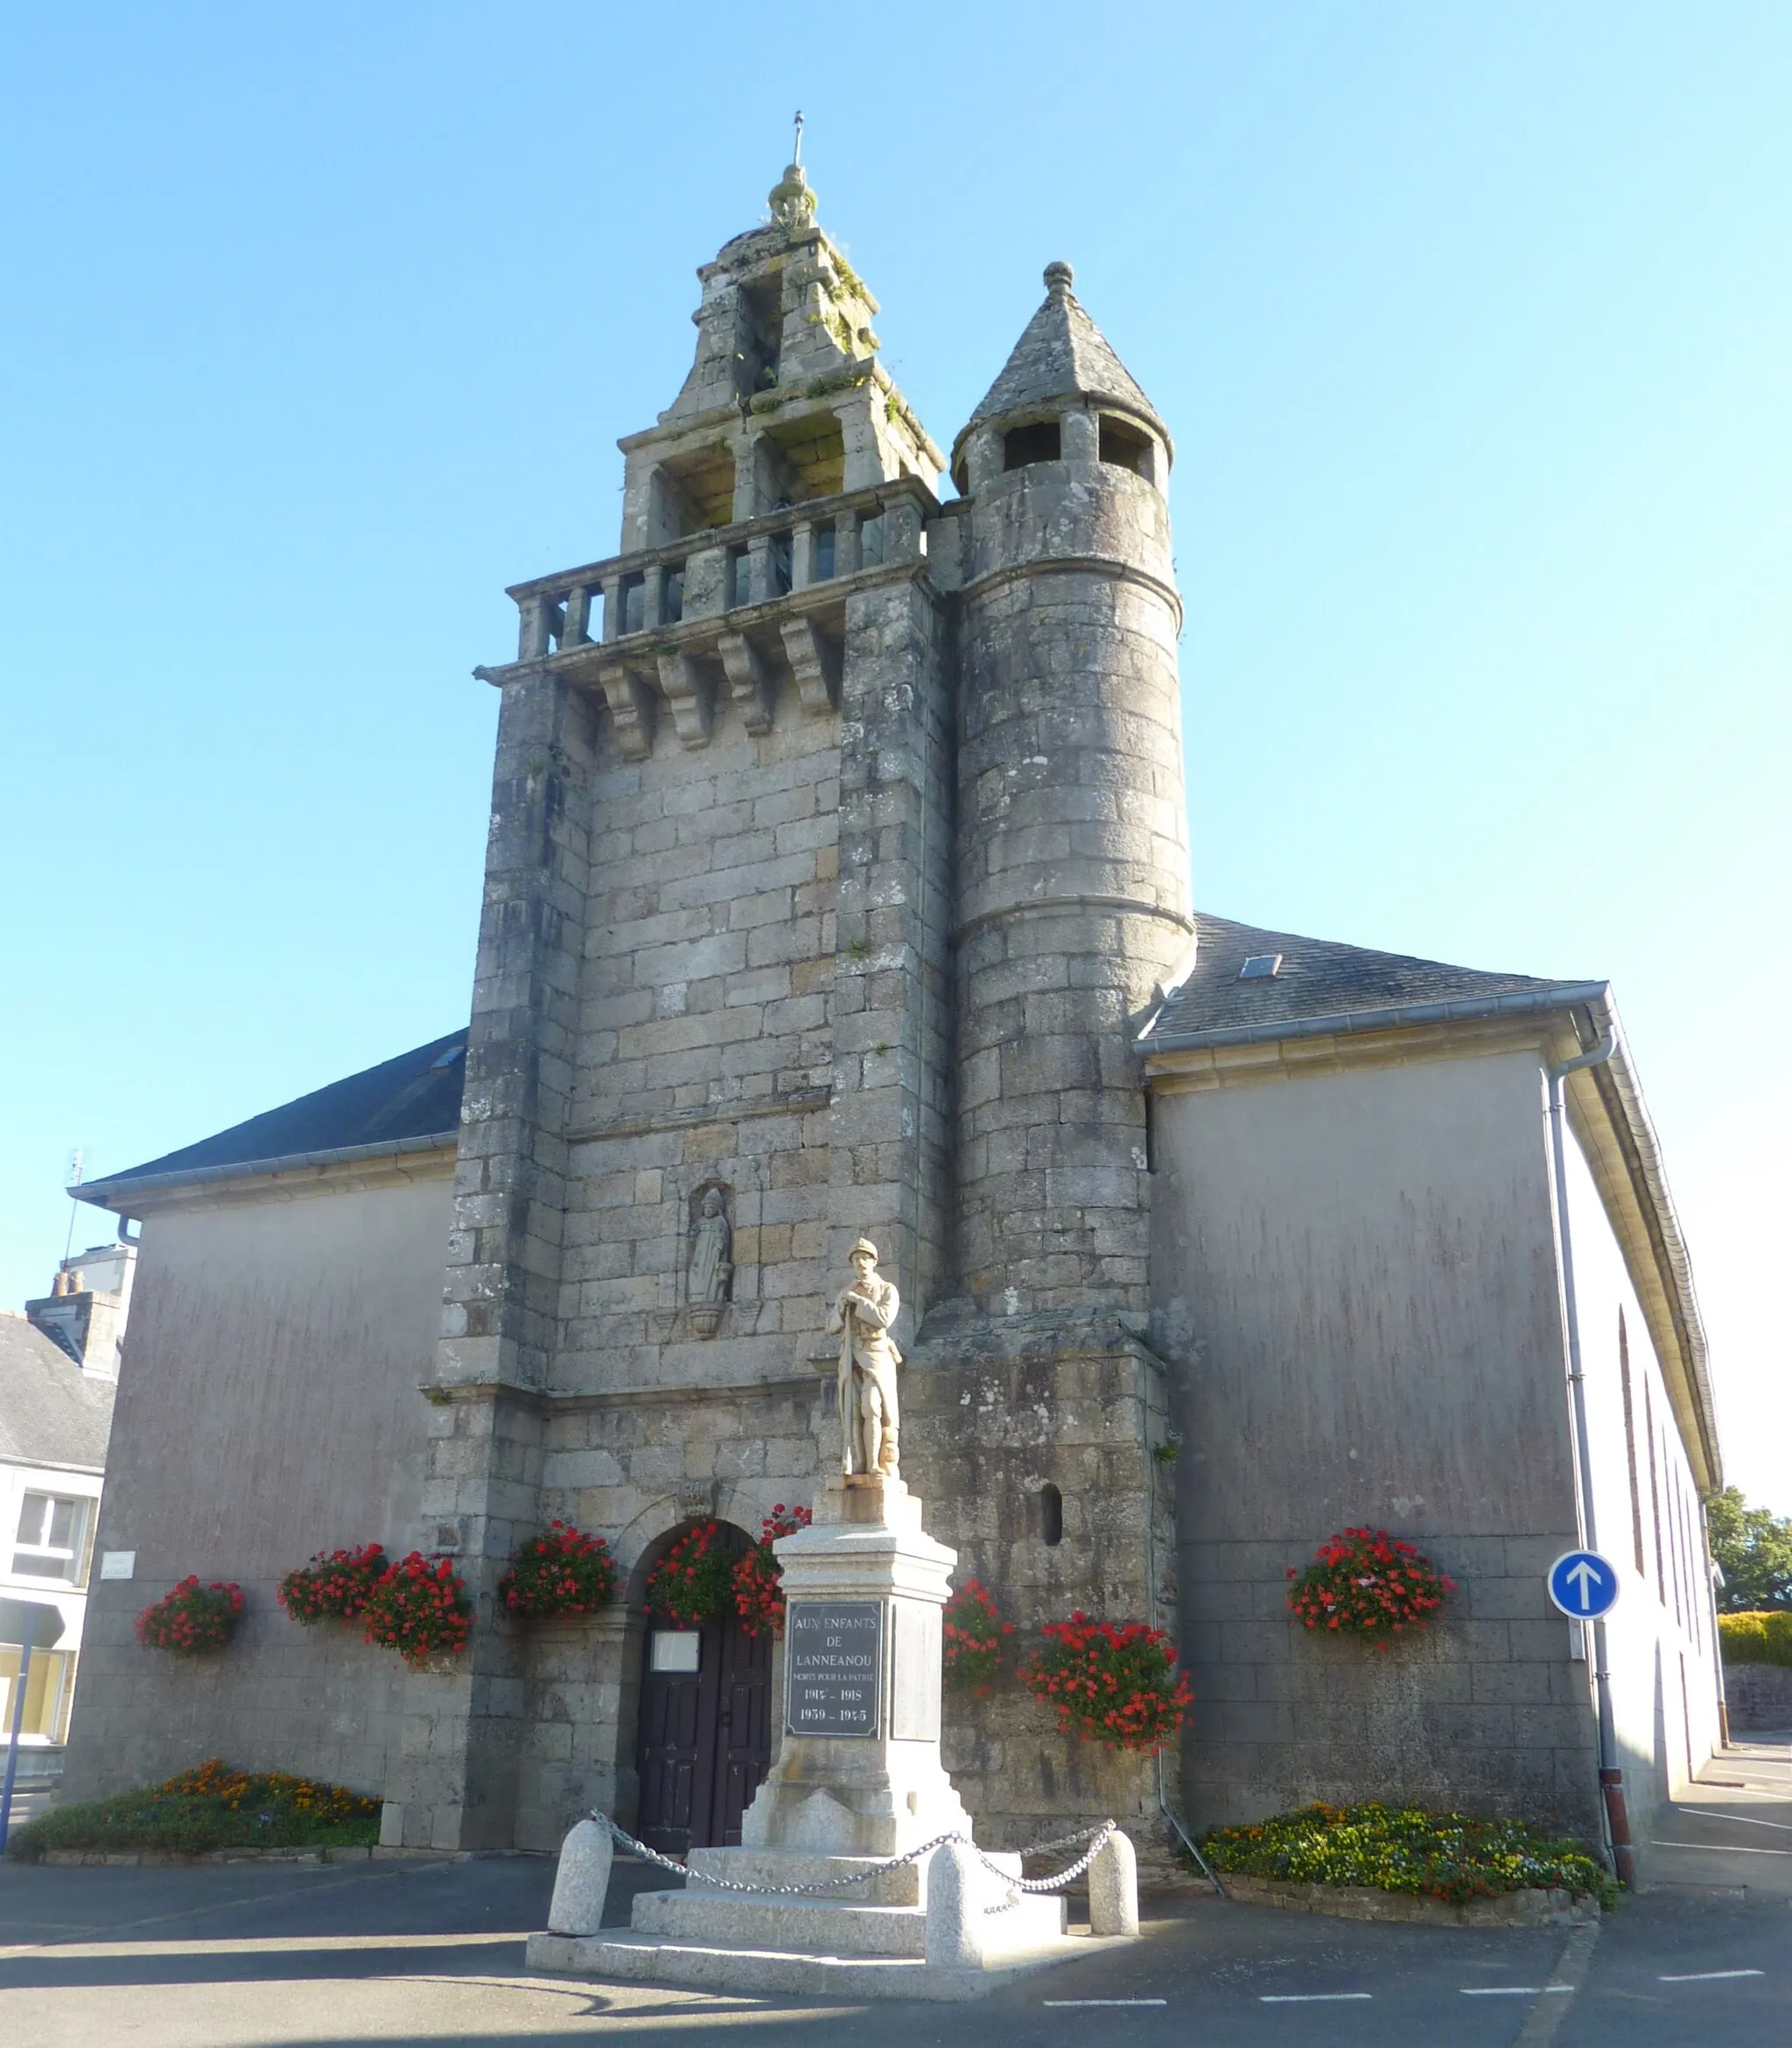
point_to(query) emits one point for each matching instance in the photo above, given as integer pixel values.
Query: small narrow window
(1125, 446)
(1027, 444)
(672, 594)
(634, 602)
(780, 565)
(871, 540)
(823, 553)
(1150, 1133)
(51, 1530)
(1051, 1516)
(739, 577)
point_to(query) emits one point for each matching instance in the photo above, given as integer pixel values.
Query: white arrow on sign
(1587, 1580)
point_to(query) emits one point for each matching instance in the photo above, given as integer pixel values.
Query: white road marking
(1310, 1997)
(1709, 1976)
(1721, 1848)
(1516, 1991)
(1065, 2002)
(1747, 1820)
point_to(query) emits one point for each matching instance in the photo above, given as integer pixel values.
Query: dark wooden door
(744, 1729)
(705, 1739)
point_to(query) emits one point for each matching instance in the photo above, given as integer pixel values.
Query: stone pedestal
(859, 1773)
(806, 1906)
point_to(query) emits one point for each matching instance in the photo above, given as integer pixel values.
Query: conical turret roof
(1060, 353)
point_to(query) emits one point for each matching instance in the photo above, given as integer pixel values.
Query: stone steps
(759, 1920)
(903, 1886)
(628, 1957)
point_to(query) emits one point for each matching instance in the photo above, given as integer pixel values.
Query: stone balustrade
(726, 612)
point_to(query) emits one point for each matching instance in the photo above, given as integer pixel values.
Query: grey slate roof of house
(1060, 353)
(51, 1412)
(402, 1104)
(1321, 978)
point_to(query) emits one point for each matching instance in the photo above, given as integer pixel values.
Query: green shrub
(1763, 1637)
(1403, 1848)
(212, 1806)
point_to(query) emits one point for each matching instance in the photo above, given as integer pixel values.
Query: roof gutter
(1521, 1002)
(116, 1194)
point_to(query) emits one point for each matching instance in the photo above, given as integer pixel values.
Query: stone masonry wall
(1073, 875)
(706, 1050)
(998, 1409)
(637, 1467)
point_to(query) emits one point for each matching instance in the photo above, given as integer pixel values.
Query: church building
(837, 887)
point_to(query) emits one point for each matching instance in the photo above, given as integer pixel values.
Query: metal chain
(1096, 1838)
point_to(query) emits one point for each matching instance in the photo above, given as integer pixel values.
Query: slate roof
(1321, 979)
(402, 1104)
(1061, 353)
(51, 1412)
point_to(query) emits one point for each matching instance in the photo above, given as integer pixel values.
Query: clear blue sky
(1473, 325)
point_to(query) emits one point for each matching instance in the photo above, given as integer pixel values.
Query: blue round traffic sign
(1584, 1584)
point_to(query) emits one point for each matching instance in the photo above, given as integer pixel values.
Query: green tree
(1753, 1548)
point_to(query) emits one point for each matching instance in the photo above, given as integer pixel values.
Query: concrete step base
(759, 1920)
(628, 1957)
(903, 1886)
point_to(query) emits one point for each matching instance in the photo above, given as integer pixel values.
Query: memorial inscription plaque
(833, 1676)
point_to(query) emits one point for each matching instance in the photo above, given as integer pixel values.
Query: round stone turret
(1073, 857)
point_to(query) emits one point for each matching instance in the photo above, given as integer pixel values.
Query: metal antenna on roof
(796, 152)
(74, 1165)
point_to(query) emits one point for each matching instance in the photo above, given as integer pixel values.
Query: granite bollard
(1113, 1887)
(956, 1890)
(582, 1883)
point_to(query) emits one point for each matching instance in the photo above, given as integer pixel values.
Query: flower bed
(1448, 1856)
(563, 1571)
(1366, 1583)
(1115, 1683)
(333, 1586)
(419, 1607)
(694, 1581)
(974, 1633)
(192, 1620)
(212, 1807)
(759, 1579)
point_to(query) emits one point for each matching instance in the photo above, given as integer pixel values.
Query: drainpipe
(1611, 1772)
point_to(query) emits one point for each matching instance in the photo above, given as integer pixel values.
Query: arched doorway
(703, 1733)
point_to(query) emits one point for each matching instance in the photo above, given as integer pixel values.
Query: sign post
(25, 1672)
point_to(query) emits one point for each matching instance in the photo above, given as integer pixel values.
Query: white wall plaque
(117, 1564)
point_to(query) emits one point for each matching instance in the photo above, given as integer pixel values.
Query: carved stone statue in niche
(861, 1317)
(711, 1272)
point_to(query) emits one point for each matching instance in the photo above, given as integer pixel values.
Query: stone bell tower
(836, 842)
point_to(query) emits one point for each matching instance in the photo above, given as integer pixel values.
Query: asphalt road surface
(259, 1956)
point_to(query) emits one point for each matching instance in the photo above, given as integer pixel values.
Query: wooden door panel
(704, 1737)
(745, 1733)
(666, 1754)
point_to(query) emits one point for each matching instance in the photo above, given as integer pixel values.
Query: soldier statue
(861, 1317)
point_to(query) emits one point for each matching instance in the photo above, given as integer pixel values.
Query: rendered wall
(268, 1407)
(1660, 1635)
(1354, 1274)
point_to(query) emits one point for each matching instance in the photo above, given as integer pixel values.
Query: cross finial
(796, 153)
